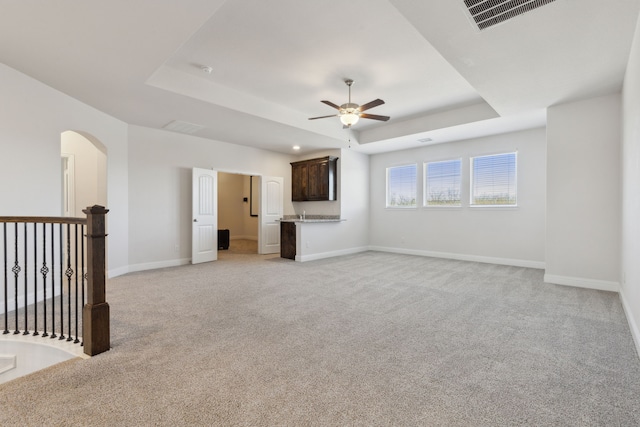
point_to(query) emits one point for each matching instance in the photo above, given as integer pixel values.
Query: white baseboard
(633, 326)
(463, 257)
(322, 255)
(117, 272)
(579, 282)
(159, 264)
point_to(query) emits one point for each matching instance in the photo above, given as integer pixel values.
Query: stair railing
(52, 279)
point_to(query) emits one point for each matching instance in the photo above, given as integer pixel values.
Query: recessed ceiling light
(296, 147)
(206, 69)
(425, 140)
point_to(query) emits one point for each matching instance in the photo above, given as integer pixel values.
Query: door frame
(259, 177)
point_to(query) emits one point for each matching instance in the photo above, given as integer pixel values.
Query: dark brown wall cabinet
(314, 179)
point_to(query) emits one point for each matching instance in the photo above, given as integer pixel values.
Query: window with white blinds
(401, 186)
(442, 186)
(493, 180)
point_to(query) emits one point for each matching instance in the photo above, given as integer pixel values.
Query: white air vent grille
(487, 13)
(183, 127)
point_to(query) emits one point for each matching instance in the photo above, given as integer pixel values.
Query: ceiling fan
(350, 113)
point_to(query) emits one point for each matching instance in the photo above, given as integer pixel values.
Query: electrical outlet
(176, 248)
(307, 244)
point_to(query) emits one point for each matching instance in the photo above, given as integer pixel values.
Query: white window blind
(442, 187)
(493, 180)
(401, 186)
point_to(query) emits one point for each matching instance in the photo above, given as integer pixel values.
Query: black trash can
(223, 239)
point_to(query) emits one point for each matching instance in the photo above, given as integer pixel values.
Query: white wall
(504, 235)
(160, 164)
(32, 118)
(583, 193)
(630, 274)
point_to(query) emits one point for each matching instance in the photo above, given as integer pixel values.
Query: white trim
(7, 362)
(463, 257)
(322, 255)
(580, 282)
(68, 185)
(159, 264)
(633, 326)
(69, 347)
(117, 272)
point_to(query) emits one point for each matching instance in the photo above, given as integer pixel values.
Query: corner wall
(583, 193)
(630, 245)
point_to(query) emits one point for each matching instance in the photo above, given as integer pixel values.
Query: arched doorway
(84, 172)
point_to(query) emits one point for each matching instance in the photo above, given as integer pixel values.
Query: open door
(271, 208)
(204, 231)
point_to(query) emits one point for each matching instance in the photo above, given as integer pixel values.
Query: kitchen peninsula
(291, 232)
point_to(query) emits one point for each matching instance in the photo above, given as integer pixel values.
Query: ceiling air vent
(487, 13)
(182, 127)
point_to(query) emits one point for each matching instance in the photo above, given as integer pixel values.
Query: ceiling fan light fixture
(349, 118)
(350, 112)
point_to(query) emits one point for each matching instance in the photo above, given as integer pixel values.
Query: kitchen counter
(291, 230)
(311, 218)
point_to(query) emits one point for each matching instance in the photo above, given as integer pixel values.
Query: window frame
(425, 196)
(472, 180)
(387, 193)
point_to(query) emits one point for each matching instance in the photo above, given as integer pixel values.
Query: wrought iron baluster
(26, 284)
(35, 279)
(16, 271)
(53, 281)
(69, 273)
(44, 270)
(84, 276)
(76, 280)
(6, 275)
(62, 271)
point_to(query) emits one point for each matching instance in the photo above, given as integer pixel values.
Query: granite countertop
(311, 218)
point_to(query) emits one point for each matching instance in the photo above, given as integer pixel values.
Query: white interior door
(271, 209)
(204, 244)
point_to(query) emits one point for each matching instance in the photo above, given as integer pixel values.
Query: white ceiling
(273, 61)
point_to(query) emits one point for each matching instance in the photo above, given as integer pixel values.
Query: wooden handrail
(43, 219)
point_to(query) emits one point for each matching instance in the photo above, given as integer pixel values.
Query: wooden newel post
(95, 321)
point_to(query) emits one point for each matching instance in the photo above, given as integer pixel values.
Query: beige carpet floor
(366, 339)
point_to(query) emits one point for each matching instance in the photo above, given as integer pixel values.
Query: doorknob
(195, 220)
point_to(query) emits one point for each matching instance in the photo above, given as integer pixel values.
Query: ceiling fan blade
(331, 104)
(371, 104)
(375, 117)
(323, 117)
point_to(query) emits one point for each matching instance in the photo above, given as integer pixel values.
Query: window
(442, 187)
(493, 180)
(401, 186)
